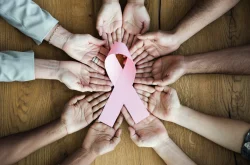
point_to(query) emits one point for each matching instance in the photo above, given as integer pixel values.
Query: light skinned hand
(101, 138)
(162, 103)
(80, 111)
(164, 71)
(109, 23)
(84, 47)
(79, 77)
(136, 21)
(150, 132)
(154, 44)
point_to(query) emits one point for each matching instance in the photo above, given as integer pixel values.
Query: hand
(77, 76)
(162, 72)
(162, 103)
(155, 44)
(150, 132)
(109, 22)
(101, 138)
(80, 111)
(84, 47)
(136, 20)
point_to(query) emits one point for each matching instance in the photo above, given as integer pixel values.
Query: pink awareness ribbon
(123, 92)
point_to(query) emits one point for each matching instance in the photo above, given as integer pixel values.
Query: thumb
(96, 41)
(99, 25)
(133, 135)
(117, 138)
(148, 36)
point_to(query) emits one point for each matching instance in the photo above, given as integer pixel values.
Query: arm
(15, 147)
(202, 14)
(172, 154)
(232, 61)
(225, 132)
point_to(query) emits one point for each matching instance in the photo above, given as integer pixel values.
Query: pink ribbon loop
(123, 92)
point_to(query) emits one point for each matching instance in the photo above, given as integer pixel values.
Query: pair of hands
(114, 26)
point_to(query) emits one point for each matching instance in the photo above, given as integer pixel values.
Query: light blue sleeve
(17, 66)
(28, 17)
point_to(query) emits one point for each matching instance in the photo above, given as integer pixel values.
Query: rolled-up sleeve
(16, 66)
(28, 17)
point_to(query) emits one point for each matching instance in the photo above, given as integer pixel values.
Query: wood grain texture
(24, 106)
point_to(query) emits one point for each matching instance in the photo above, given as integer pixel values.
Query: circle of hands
(147, 51)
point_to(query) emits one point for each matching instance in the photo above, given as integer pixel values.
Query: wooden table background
(24, 106)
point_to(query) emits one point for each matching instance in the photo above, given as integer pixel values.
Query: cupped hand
(84, 47)
(136, 21)
(77, 76)
(101, 138)
(155, 44)
(164, 71)
(80, 111)
(150, 132)
(109, 22)
(162, 103)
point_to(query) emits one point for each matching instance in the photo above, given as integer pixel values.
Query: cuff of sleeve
(46, 30)
(17, 66)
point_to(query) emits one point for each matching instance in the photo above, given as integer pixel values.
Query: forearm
(172, 154)
(141, 2)
(46, 69)
(231, 61)
(225, 132)
(109, 1)
(15, 147)
(80, 157)
(202, 14)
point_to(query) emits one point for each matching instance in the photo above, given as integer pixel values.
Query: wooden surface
(24, 106)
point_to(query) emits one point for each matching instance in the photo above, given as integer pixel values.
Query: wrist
(137, 2)
(46, 69)
(91, 154)
(190, 63)
(163, 143)
(176, 115)
(61, 127)
(59, 37)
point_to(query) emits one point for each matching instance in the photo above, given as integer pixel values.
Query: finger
(96, 41)
(148, 36)
(125, 37)
(118, 122)
(117, 138)
(97, 114)
(146, 59)
(110, 40)
(114, 37)
(104, 51)
(75, 99)
(141, 56)
(147, 64)
(122, 33)
(99, 106)
(96, 67)
(105, 37)
(144, 93)
(135, 47)
(133, 135)
(144, 75)
(100, 63)
(99, 76)
(134, 40)
(143, 98)
(98, 81)
(119, 35)
(146, 81)
(100, 88)
(159, 88)
(145, 88)
(130, 40)
(144, 70)
(127, 116)
(101, 57)
(99, 25)
(93, 96)
(100, 99)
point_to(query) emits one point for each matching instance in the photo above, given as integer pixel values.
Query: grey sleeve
(17, 66)
(28, 17)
